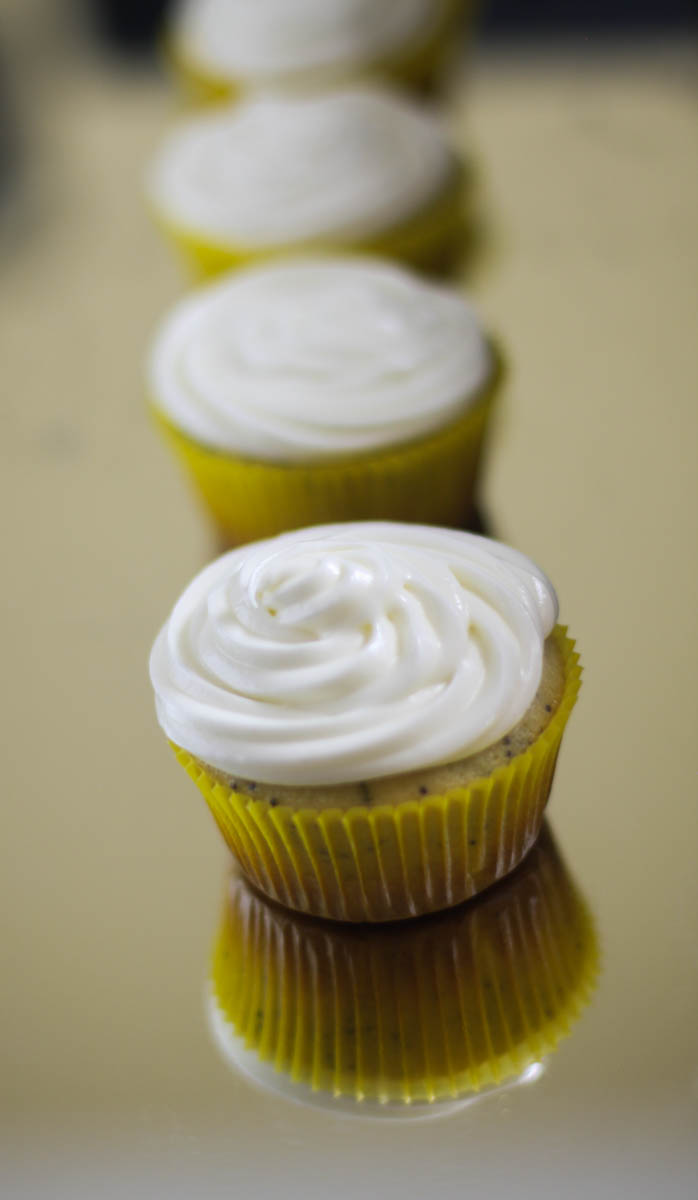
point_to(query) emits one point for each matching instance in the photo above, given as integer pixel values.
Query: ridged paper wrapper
(408, 1014)
(401, 860)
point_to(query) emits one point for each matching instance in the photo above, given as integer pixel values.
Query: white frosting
(273, 40)
(349, 652)
(274, 170)
(314, 358)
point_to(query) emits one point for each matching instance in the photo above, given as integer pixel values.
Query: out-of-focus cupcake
(316, 390)
(223, 48)
(373, 712)
(358, 169)
(405, 1018)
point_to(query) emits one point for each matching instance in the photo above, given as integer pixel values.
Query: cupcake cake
(405, 1019)
(373, 712)
(357, 169)
(321, 389)
(222, 48)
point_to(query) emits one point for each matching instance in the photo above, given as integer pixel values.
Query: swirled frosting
(273, 40)
(277, 170)
(314, 358)
(349, 652)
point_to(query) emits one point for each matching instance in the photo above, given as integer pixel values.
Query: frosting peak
(349, 652)
(316, 358)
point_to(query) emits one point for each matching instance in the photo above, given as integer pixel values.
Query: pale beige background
(111, 870)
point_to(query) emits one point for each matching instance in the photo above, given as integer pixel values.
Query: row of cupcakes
(315, 386)
(372, 707)
(315, 389)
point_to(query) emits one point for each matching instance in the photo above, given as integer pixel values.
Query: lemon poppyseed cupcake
(406, 1018)
(319, 389)
(223, 48)
(373, 712)
(358, 169)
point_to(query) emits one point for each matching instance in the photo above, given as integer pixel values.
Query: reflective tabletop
(166, 1033)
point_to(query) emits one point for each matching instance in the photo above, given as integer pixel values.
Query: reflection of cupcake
(405, 1014)
(373, 712)
(221, 48)
(350, 170)
(325, 389)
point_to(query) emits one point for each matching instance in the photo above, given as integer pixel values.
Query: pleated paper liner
(246, 1061)
(421, 1012)
(432, 481)
(417, 65)
(431, 240)
(395, 861)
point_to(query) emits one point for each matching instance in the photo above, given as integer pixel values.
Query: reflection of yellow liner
(423, 1011)
(402, 860)
(416, 65)
(431, 481)
(431, 239)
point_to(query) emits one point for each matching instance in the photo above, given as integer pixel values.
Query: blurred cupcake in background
(358, 169)
(325, 389)
(405, 1019)
(372, 711)
(220, 49)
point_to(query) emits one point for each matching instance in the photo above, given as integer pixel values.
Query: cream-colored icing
(286, 40)
(349, 652)
(277, 171)
(313, 358)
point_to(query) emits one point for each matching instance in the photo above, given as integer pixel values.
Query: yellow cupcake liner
(430, 481)
(394, 861)
(415, 1013)
(432, 239)
(415, 66)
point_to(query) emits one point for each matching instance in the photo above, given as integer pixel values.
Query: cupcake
(222, 48)
(324, 390)
(373, 712)
(405, 1018)
(357, 169)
